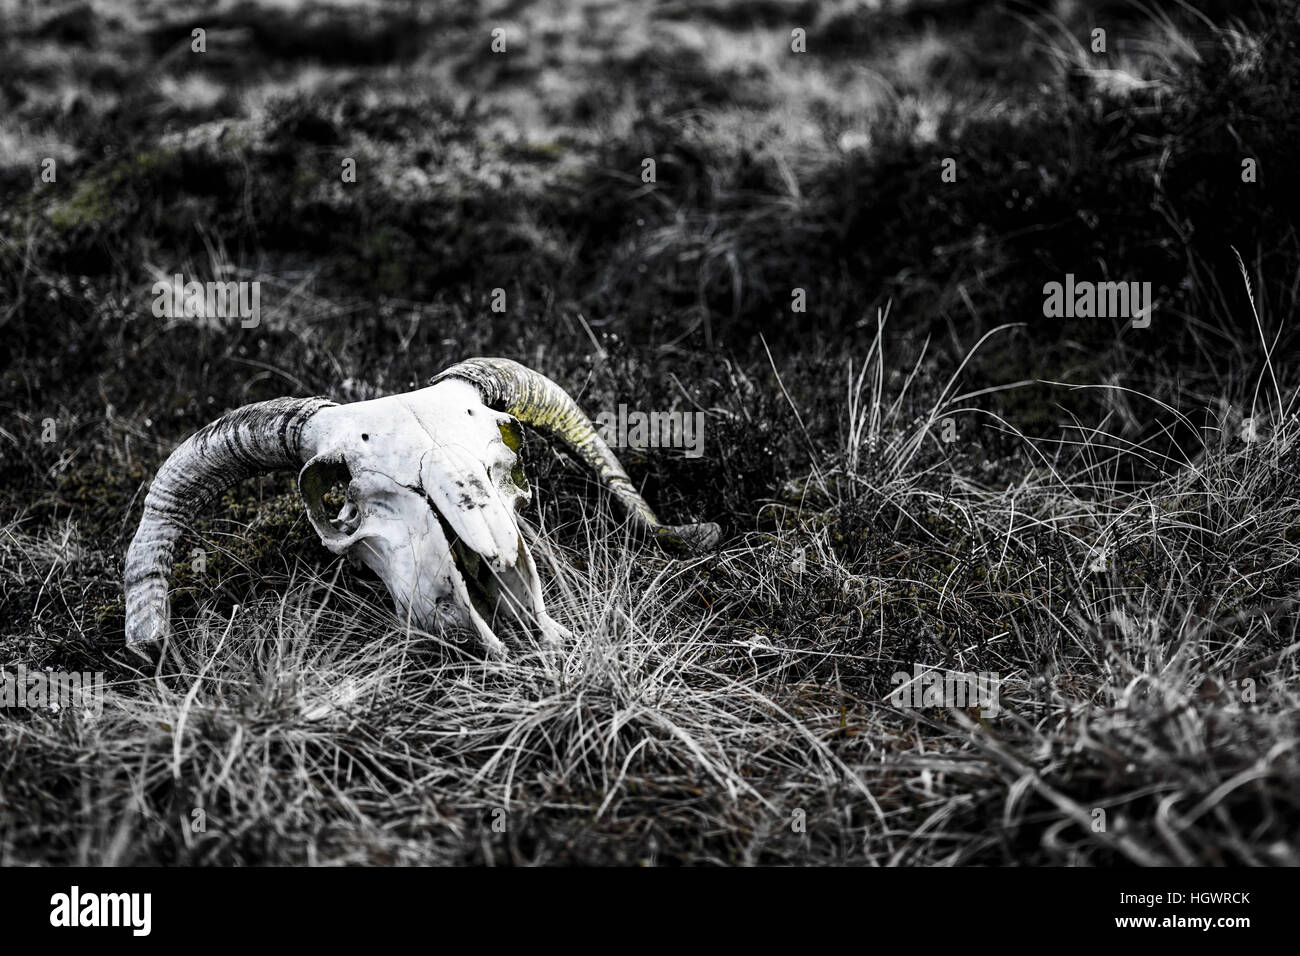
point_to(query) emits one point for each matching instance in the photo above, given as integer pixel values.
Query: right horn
(535, 400)
(266, 436)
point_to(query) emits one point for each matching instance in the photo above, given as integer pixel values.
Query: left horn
(266, 436)
(535, 400)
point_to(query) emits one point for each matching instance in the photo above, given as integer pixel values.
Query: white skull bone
(433, 486)
(432, 482)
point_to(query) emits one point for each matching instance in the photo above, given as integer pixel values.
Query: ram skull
(433, 483)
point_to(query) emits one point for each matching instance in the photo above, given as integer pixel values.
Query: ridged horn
(535, 400)
(265, 436)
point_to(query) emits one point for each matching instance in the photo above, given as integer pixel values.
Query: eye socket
(511, 434)
(513, 437)
(365, 437)
(324, 485)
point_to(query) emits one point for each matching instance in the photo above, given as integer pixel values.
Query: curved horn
(265, 436)
(535, 400)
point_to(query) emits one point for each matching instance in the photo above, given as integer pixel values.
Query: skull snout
(461, 490)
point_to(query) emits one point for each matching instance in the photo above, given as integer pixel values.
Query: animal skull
(433, 482)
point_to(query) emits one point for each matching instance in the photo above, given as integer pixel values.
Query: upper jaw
(506, 593)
